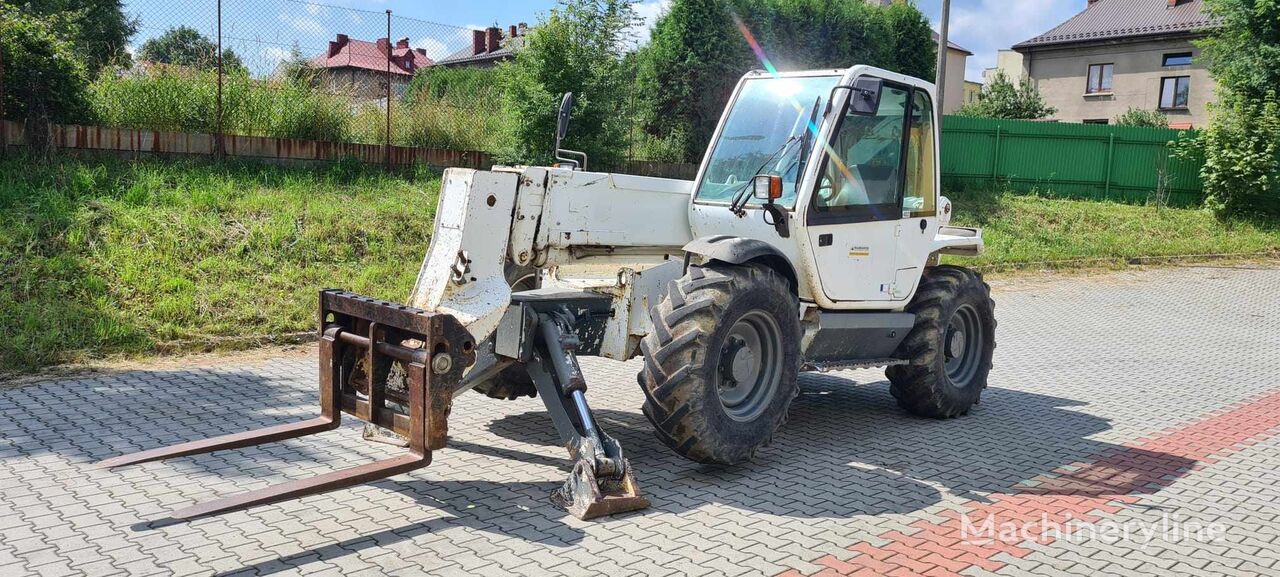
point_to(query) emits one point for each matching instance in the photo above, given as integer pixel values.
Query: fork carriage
(390, 365)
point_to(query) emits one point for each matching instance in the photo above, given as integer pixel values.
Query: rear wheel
(949, 349)
(721, 363)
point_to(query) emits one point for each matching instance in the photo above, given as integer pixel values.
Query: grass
(185, 100)
(1023, 229)
(102, 257)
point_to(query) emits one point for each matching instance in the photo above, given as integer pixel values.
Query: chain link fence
(302, 70)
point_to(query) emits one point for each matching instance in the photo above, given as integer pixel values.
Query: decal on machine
(859, 251)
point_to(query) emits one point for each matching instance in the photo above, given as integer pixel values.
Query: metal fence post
(1111, 156)
(4, 126)
(218, 136)
(390, 51)
(995, 159)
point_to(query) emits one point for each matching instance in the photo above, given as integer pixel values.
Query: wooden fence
(136, 142)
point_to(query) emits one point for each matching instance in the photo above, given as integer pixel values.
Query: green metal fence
(1085, 161)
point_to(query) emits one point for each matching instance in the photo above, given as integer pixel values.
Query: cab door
(920, 199)
(855, 216)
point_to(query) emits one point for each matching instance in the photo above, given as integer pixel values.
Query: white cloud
(303, 24)
(275, 55)
(649, 12)
(435, 48)
(986, 26)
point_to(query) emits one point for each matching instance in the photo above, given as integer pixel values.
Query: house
(1011, 63)
(971, 91)
(953, 94)
(488, 47)
(361, 68)
(1121, 54)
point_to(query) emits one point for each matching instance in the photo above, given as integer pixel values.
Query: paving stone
(1126, 398)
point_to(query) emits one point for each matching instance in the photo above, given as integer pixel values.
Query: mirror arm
(779, 215)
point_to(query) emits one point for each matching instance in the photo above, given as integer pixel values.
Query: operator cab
(836, 171)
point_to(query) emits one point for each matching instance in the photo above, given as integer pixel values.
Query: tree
(1004, 99)
(101, 30)
(44, 81)
(578, 47)
(1144, 118)
(699, 49)
(1243, 53)
(184, 46)
(1241, 173)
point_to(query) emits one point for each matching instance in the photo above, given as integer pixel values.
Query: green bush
(1002, 98)
(577, 48)
(44, 78)
(1241, 151)
(1143, 118)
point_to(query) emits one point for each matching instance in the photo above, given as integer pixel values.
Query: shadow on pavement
(846, 451)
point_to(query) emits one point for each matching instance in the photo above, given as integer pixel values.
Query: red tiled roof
(347, 52)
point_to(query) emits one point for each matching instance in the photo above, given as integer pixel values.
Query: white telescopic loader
(810, 240)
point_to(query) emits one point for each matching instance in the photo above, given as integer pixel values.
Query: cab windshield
(763, 136)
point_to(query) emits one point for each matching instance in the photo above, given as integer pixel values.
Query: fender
(740, 250)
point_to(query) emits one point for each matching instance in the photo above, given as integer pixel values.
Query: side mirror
(864, 99)
(766, 187)
(562, 118)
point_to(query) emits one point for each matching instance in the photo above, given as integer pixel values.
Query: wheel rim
(750, 366)
(962, 346)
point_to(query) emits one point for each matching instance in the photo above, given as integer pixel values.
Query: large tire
(948, 367)
(721, 364)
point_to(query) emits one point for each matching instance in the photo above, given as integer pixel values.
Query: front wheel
(949, 349)
(722, 361)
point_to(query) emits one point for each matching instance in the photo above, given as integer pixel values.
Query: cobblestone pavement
(1143, 401)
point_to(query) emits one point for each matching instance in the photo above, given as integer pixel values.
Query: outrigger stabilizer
(398, 368)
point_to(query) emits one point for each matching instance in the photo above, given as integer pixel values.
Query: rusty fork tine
(232, 441)
(309, 486)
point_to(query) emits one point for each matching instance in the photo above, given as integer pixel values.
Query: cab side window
(921, 198)
(862, 179)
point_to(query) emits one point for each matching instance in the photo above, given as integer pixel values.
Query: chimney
(384, 46)
(492, 38)
(511, 31)
(402, 43)
(336, 46)
(477, 42)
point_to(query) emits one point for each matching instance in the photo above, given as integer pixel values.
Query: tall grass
(185, 100)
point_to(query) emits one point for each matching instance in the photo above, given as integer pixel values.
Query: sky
(263, 32)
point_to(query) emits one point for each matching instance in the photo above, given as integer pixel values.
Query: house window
(1175, 92)
(1178, 59)
(1100, 76)
(1097, 121)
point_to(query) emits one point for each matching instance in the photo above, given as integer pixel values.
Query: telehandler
(810, 240)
